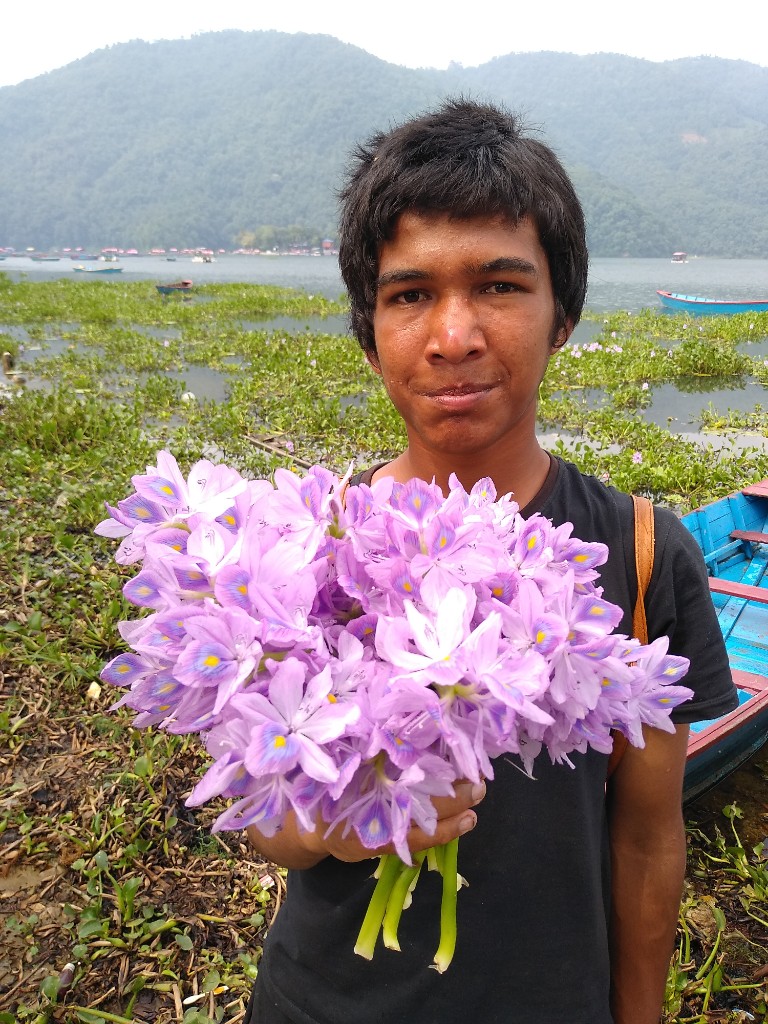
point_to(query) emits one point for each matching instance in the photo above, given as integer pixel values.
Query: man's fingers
(468, 794)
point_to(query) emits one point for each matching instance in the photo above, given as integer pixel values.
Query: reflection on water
(202, 383)
(682, 406)
(292, 325)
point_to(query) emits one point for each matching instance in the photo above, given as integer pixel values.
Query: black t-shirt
(532, 924)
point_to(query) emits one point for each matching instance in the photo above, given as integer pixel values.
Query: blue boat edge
(701, 306)
(732, 533)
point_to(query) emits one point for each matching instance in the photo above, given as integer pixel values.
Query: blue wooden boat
(699, 306)
(733, 535)
(176, 286)
(98, 270)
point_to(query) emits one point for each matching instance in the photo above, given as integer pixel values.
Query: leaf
(101, 860)
(719, 917)
(90, 928)
(50, 987)
(212, 981)
(184, 941)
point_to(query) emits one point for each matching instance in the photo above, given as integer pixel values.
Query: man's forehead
(495, 232)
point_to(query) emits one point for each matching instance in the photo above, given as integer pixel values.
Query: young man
(463, 250)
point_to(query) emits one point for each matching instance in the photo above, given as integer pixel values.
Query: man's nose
(455, 332)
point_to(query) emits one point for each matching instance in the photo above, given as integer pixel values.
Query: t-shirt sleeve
(679, 604)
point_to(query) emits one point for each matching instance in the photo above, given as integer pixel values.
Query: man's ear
(562, 335)
(373, 360)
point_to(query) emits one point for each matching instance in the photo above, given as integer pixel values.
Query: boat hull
(98, 270)
(177, 286)
(733, 536)
(698, 306)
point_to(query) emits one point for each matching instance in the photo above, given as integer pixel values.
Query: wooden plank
(753, 575)
(749, 681)
(758, 490)
(741, 590)
(736, 503)
(754, 536)
(727, 551)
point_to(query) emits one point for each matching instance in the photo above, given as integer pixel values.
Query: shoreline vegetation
(102, 866)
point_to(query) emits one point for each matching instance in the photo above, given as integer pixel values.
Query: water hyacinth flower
(348, 653)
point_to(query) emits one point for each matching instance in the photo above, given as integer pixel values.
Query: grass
(102, 867)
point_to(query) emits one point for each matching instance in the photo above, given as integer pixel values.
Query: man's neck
(521, 472)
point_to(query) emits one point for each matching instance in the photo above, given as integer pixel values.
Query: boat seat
(758, 490)
(753, 536)
(741, 590)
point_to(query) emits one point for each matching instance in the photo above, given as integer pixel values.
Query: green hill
(234, 138)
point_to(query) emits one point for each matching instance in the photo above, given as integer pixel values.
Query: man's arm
(648, 866)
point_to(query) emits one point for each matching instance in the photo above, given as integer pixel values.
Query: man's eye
(412, 295)
(501, 288)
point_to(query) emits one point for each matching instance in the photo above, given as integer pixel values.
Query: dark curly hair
(465, 159)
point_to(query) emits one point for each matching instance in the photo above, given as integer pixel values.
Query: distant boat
(44, 258)
(679, 257)
(176, 286)
(700, 306)
(732, 535)
(97, 270)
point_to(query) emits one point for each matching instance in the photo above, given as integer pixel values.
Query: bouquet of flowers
(348, 653)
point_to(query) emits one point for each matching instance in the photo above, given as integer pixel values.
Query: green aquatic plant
(105, 393)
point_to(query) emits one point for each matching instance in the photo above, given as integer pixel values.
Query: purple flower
(348, 661)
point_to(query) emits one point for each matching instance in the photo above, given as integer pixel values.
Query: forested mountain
(239, 138)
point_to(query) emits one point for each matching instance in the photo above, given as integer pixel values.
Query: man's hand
(292, 848)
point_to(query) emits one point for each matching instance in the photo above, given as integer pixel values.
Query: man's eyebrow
(502, 264)
(514, 264)
(402, 277)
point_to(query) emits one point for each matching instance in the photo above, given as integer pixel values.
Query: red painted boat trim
(753, 536)
(758, 685)
(743, 590)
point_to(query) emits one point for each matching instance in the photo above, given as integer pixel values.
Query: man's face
(464, 326)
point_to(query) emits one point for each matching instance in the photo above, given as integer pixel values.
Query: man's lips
(458, 398)
(457, 390)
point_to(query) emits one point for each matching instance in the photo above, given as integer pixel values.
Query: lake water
(615, 284)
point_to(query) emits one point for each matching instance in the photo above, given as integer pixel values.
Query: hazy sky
(41, 35)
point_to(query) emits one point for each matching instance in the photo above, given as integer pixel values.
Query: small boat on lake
(733, 535)
(699, 306)
(97, 270)
(176, 286)
(679, 257)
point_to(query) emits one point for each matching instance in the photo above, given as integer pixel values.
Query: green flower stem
(403, 885)
(391, 866)
(447, 946)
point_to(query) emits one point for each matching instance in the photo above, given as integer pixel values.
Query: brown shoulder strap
(645, 542)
